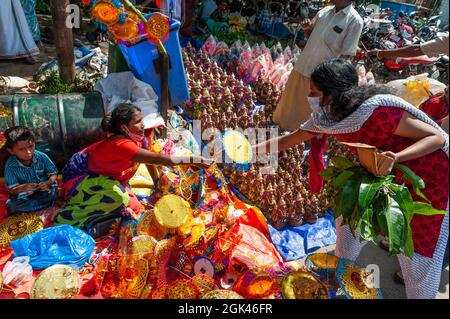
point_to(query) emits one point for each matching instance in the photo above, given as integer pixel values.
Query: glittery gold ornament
(149, 226)
(160, 292)
(4, 111)
(18, 226)
(157, 28)
(134, 274)
(204, 283)
(183, 289)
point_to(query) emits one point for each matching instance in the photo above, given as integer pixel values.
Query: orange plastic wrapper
(253, 216)
(246, 247)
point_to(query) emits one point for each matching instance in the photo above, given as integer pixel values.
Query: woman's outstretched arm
(284, 142)
(147, 157)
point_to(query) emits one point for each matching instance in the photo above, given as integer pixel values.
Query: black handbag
(101, 225)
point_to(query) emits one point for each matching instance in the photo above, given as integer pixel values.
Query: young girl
(371, 115)
(96, 179)
(30, 175)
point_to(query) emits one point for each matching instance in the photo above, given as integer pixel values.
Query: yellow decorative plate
(56, 282)
(237, 147)
(303, 285)
(222, 294)
(18, 226)
(171, 211)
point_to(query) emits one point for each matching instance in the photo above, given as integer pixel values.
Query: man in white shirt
(334, 32)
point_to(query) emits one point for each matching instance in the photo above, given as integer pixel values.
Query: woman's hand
(386, 166)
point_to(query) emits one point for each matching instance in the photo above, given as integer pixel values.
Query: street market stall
(241, 228)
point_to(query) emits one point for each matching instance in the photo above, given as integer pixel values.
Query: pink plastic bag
(210, 45)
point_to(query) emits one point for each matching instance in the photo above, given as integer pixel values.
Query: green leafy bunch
(51, 83)
(374, 205)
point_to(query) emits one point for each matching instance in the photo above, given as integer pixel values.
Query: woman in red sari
(95, 180)
(372, 115)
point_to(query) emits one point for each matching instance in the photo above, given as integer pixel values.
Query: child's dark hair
(18, 134)
(121, 115)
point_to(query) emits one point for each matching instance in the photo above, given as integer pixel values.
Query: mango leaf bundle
(374, 205)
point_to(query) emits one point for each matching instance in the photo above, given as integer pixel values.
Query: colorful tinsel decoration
(126, 26)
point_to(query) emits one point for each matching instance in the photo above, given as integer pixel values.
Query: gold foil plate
(171, 211)
(56, 282)
(303, 285)
(222, 294)
(237, 147)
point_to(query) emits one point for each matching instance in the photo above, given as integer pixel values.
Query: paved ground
(372, 254)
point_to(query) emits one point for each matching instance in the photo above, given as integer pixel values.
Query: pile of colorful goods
(226, 100)
(195, 239)
(252, 63)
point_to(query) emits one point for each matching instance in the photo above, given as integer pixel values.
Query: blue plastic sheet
(296, 242)
(64, 245)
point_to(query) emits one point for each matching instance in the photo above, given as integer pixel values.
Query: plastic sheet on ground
(296, 242)
(63, 245)
(86, 61)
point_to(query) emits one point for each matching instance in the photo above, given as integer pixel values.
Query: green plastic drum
(63, 123)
